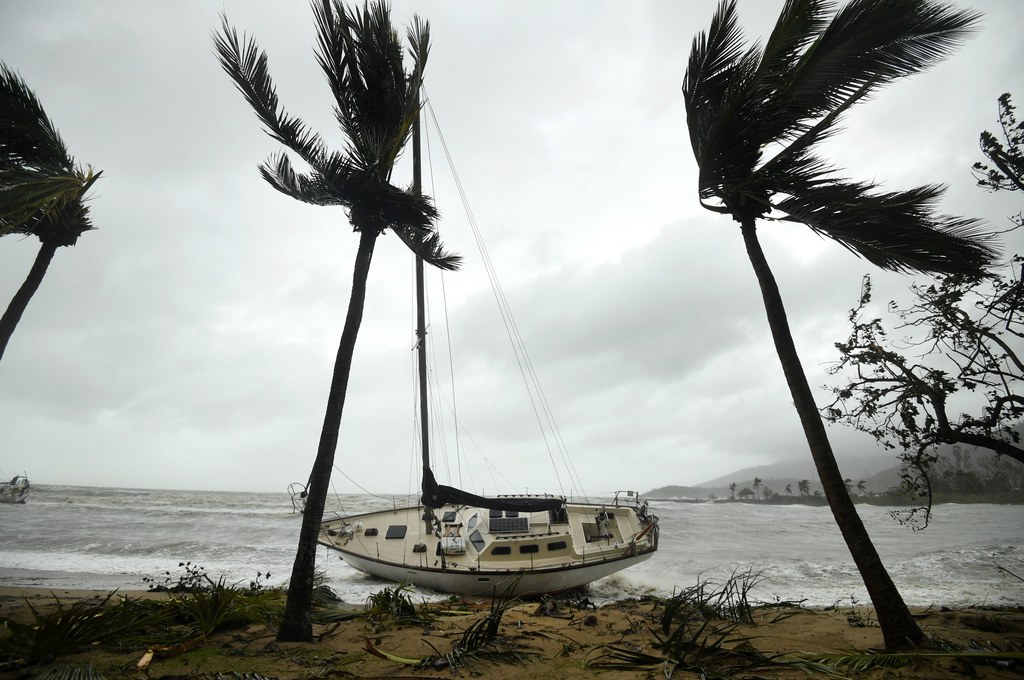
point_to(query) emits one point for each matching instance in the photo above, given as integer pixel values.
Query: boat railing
(632, 499)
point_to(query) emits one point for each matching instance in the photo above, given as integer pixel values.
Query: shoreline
(43, 579)
(561, 641)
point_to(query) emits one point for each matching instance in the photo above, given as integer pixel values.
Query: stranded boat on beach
(458, 542)
(15, 491)
(474, 545)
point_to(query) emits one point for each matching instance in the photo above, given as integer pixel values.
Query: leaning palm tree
(42, 190)
(755, 115)
(377, 104)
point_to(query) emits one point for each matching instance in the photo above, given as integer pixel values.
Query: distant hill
(666, 492)
(854, 467)
(776, 477)
(879, 473)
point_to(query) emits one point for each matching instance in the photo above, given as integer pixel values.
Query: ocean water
(86, 537)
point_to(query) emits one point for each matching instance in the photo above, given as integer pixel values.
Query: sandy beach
(559, 642)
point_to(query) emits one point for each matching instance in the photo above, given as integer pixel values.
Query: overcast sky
(188, 342)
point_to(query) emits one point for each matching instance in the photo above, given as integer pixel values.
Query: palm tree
(804, 487)
(755, 115)
(756, 485)
(42, 190)
(862, 487)
(377, 105)
(732, 490)
(789, 489)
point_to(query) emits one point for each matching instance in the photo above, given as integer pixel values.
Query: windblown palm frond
(897, 231)
(28, 138)
(790, 95)
(247, 66)
(42, 191)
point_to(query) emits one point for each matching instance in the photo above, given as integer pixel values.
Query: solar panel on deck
(509, 525)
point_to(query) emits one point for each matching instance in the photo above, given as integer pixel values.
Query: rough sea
(98, 538)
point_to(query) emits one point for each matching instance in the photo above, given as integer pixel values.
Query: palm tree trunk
(9, 321)
(296, 625)
(898, 627)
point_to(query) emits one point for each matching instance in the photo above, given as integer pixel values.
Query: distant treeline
(889, 499)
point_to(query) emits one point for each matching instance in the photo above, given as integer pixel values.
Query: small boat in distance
(15, 491)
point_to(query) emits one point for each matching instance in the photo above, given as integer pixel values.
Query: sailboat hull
(472, 551)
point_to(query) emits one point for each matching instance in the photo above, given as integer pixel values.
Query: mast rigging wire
(530, 378)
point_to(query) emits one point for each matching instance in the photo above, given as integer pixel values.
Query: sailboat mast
(421, 316)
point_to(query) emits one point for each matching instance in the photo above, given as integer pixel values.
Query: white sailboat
(457, 542)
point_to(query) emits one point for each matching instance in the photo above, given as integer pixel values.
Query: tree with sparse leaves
(42, 189)
(1007, 156)
(377, 103)
(951, 371)
(756, 116)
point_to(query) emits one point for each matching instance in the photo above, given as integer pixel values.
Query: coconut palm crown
(376, 104)
(755, 115)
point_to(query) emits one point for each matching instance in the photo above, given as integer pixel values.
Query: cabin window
(529, 548)
(420, 548)
(558, 516)
(448, 516)
(477, 540)
(511, 513)
(494, 514)
(472, 521)
(557, 545)
(370, 532)
(502, 550)
(395, 531)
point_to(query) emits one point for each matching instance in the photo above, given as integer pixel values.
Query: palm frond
(247, 66)
(430, 249)
(308, 188)
(863, 661)
(873, 42)
(710, 75)
(897, 231)
(28, 138)
(795, 165)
